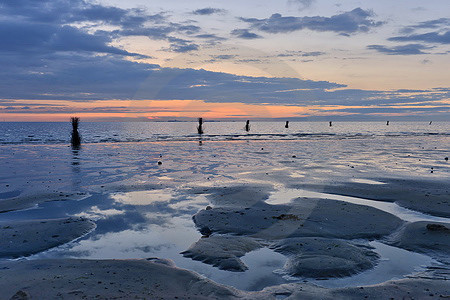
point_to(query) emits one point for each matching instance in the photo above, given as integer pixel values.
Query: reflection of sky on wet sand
(287, 195)
(165, 228)
(143, 210)
(123, 233)
(142, 197)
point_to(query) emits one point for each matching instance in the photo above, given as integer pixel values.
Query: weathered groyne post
(200, 126)
(247, 126)
(287, 124)
(76, 139)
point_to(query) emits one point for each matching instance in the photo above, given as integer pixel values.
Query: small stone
(20, 295)
(286, 217)
(205, 231)
(436, 227)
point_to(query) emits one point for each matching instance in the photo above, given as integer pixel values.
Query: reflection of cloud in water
(118, 223)
(367, 181)
(96, 213)
(152, 240)
(196, 203)
(142, 197)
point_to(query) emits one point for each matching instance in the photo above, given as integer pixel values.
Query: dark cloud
(41, 38)
(76, 77)
(52, 21)
(431, 24)
(69, 11)
(208, 11)
(70, 76)
(181, 45)
(357, 20)
(410, 49)
(245, 34)
(398, 109)
(430, 37)
(67, 76)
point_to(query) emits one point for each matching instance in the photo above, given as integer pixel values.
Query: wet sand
(160, 279)
(233, 191)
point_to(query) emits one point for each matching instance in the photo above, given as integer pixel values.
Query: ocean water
(144, 209)
(116, 132)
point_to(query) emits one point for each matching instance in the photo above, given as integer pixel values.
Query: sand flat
(106, 279)
(313, 257)
(30, 199)
(308, 217)
(432, 238)
(23, 238)
(223, 252)
(160, 279)
(424, 195)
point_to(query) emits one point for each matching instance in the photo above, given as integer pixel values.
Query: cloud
(300, 54)
(410, 49)
(211, 37)
(65, 75)
(431, 24)
(357, 20)
(77, 77)
(303, 4)
(415, 33)
(208, 11)
(430, 37)
(65, 12)
(245, 34)
(223, 56)
(50, 20)
(41, 38)
(181, 46)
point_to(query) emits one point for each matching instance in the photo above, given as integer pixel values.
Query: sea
(119, 132)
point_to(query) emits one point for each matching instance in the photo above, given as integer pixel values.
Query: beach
(313, 212)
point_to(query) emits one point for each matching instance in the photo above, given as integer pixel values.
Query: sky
(140, 60)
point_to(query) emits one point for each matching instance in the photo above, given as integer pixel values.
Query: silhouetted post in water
(331, 123)
(387, 122)
(76, 139)
(247, 126)
(287, 124)
(430, 122)
(200, 126)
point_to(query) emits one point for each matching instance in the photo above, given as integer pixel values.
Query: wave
(218, 137)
